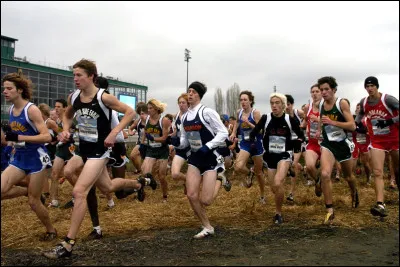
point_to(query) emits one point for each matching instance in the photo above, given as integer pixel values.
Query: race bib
(246, 135)
(313, 129)
(335, 133)
(154, 143)
(378, 131)
(361, 138)
(44, 157)
(88, 130)
(277, 144)
(194, 140)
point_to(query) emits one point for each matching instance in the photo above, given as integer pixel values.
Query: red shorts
(356, 151)
(387, 146)
(314, 146)
(363, 148)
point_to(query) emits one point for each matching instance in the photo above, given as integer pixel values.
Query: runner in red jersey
(382, 115)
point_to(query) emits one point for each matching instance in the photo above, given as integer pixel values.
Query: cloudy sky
(254, 44)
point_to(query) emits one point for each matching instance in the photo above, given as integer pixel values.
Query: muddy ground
(277, 245)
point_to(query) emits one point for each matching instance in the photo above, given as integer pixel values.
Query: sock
(98, 229)
(111, 203)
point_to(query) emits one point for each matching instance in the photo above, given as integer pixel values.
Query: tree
(219, 101)
(232, 99)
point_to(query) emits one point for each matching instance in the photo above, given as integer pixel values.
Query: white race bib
(194, 140)
(313, 129)
(335, 133)
(379, 131)
(361, 138)
(88, 130)
(246, 135)
(277, 144)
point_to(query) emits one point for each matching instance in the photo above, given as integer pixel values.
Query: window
(43, 75)
(11, 69)
(12, 44)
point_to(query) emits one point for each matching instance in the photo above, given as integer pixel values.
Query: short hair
(45, 109)
(314, 85)
(232, 118)
(184, 96)
(157, 105)
(20, 82)
(250, 95)
(289, 99)
(281, 97)
(88, 66)
(102, 82)
(329, 80)
(62, 101)
(169, 116)
(141, 107)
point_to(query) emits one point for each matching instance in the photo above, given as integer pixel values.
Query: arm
(67, 121)
(166, 123)
(221, 133)
(35, 116)
(133, 126)
(349, 124)
(113, 103)
(235, 126)
(258, 127)
(296, 129)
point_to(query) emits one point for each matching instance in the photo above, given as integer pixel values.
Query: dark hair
(88, 66)
(101, 82)
(141, 106)
(329, 80)
(232, 117)
(20, 82)
(169, 116)
(250, 95)
(314, 85)
(62, 101)
(289, 99)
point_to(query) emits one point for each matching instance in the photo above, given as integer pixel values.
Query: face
(245, 102)
(183, 105)
(326, 91)
(11, 92)
(371, 89)
(143, 115)
(151, 110)
(81, 79)
(357, 109)
(316, 94)
(53, 115)
(276, 106)
(58, 107)
(289, 107)
(231, 121)
(193, 96)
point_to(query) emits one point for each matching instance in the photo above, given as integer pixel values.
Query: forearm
(348, 125)
(35, 139)
(128, 117)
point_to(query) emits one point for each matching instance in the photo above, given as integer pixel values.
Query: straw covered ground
(156, 233)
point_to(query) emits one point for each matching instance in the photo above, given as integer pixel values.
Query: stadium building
(51, 83)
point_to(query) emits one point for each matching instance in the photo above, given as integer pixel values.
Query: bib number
(379, 131)
(194, 141)
(277, 144)
(334, 133)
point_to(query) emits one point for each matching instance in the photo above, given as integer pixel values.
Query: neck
(90, 90)
(20, 102)
(246, 110)
(375, 96)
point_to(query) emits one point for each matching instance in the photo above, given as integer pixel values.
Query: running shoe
(329, 218)
(249, 178)
(318, 189)
(54, 204)
(262, 200)
(379, 210)
(204, 233)
(290, 198)
(355, 200)
(278, 219)
(48, 236)
(95, 235)
(68, 205)
(58, 252)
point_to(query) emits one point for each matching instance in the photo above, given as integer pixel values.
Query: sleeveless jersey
(330, 132)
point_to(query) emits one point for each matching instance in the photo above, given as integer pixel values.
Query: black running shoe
(42, 199)
(355, 200)
(140, 193)
(379, 210)
(95, 235)
(249, 178)
(68, 205)
(48, 236)
(152, 183)
(58, 252)
(290, 198)
(278, 219)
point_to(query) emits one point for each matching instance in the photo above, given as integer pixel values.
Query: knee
(175, 175)
(206, 201)
(378, 173)
(192, 196)
(325, 174)
(33, 202)
(79, 193)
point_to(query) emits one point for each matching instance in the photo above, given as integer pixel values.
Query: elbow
(47, 138)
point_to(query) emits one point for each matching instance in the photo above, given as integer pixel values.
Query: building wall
(49, 86)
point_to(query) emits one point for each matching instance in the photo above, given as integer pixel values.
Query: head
(246, 99)
(315, 93)
(303, 108)
(371, 84)
(278, 103)
(170, 117)
(328, 87)
(155, 107)
(60, 105)
(183, 102)
(232, 120)
(289, 103)
(225, 119)
(141, 109)
(196, 92)
(53, 115)
(102, 82)
(45, 110)
(16, 86)
(85, 74)
(357, 109)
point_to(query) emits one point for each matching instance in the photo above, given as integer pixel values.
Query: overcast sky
(254, 44)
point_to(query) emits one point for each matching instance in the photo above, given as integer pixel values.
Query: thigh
(296, 158)
(11, 176)
(347, 167)
(73, 164)
(311, 157)
(36, 183)
(148, 164)
(258, 163)
(394, 154)
(208, 186)
(162, 167)
(242, 158)
(327, 160)
(90, 173)
(377, 158)
(281, 172)
(193, 180)
(177, 164)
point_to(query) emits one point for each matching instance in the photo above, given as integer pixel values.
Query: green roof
(8, 38)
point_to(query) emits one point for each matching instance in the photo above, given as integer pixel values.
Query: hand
(149, 137)
(110, 140)
(326, 120)
(232, 137)
(11, 136)
(203, 150)
(384, 123)
(64, 136)
(360, 128)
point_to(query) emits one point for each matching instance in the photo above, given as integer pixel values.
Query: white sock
(98, 229)
(111, 203)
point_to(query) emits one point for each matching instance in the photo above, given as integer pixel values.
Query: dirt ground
(273, 246)
(156, 233)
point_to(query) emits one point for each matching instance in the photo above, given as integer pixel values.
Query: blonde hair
(281, 97)
(157, 105)
(45, 109)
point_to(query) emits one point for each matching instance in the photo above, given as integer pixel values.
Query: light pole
(187, 57)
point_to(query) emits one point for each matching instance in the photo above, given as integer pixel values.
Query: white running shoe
(204, 233)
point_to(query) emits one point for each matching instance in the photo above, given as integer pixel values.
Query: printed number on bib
(277, 144)
(335, 133)
(377, 130)
(194, 140)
